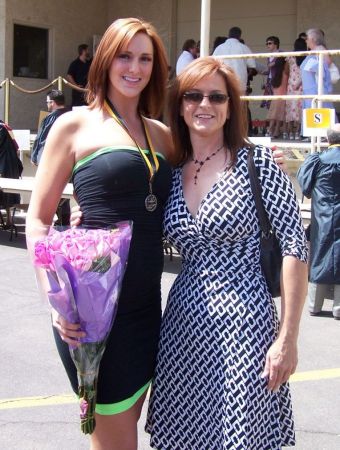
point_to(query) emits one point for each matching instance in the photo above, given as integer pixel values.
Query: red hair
(117, 37)
(236, 126)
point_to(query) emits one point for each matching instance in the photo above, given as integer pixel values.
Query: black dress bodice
(110, 186)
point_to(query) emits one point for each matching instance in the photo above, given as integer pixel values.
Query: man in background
(319, 178)
(189, 53)
(55, 101)
(77, 74)
(233, 46)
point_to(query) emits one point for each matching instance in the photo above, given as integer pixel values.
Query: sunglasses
(269, 43)
(197, 97)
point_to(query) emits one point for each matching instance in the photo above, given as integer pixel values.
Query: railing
(7, 83)
(316, 99)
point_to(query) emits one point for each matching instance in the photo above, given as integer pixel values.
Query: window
(30, 58)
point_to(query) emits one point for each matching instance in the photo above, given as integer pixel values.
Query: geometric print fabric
(220, 320)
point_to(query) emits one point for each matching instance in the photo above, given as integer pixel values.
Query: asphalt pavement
(39, 412)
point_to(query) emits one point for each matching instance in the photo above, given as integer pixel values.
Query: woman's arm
(280, 203)
(279, 158)
(282, 357)
(53, 173)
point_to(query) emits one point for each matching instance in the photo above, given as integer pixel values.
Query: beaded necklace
(201, 163)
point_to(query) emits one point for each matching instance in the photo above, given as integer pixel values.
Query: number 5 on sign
(316, 121)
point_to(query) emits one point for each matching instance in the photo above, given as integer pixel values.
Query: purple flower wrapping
(89, 298)
(84, 270)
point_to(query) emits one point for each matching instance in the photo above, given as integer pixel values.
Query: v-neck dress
(220, 319)
(110, 186)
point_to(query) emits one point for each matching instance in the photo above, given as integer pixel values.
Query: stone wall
(70, 23)
(73, 22)
(161, 13)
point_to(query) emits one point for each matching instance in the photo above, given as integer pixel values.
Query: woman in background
(310, 66)
(277, 109)
(294, 107)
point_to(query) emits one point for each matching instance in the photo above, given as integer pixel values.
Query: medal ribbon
(152, 169)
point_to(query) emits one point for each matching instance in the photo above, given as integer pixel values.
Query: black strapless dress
(111, 185)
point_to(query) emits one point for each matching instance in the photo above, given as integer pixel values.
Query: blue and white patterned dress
(220, 320)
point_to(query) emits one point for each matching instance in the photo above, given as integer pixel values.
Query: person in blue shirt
(310, 66)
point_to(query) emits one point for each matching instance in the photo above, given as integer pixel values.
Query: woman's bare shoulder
(161, 137)
(75, 118)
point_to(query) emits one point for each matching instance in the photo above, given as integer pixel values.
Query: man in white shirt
(233, 46)
(189, 53)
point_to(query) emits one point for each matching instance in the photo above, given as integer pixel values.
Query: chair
(10, 167)
(167, 248)
(2, 222)
(6, 206)
(14, 208)
(11, 211)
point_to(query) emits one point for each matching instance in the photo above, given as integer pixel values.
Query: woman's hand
(279, 158)
(69, 332)
(76, 216)
(281, 362)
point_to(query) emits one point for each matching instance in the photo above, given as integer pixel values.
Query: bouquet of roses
(84, 269)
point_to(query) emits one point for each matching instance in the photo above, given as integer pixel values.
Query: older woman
(310, 66)
(224, 361)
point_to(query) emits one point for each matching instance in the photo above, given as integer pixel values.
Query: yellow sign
(319, 117)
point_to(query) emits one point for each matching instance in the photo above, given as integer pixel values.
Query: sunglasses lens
(217, 98)
(197, 97)
(193, 97)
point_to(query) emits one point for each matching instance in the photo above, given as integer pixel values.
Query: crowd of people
(294, 75)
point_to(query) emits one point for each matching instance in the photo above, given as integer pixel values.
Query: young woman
(115, 154)
(223, 360)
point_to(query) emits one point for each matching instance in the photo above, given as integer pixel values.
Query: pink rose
(83, 408)
(42, 256)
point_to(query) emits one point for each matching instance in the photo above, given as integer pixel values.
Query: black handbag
(270, 257)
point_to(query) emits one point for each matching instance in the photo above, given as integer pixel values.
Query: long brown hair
(116, 37)
(235, 127)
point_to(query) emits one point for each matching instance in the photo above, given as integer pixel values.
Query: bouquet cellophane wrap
(82, 272)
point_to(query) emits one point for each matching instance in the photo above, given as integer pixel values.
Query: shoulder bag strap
(257, 193)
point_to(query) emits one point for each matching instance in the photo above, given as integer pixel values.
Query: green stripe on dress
(124, 405)
(104, 150)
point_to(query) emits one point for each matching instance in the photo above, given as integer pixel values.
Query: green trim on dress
(124, 405)
(104, 150)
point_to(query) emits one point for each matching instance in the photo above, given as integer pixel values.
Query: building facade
(72, 22)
